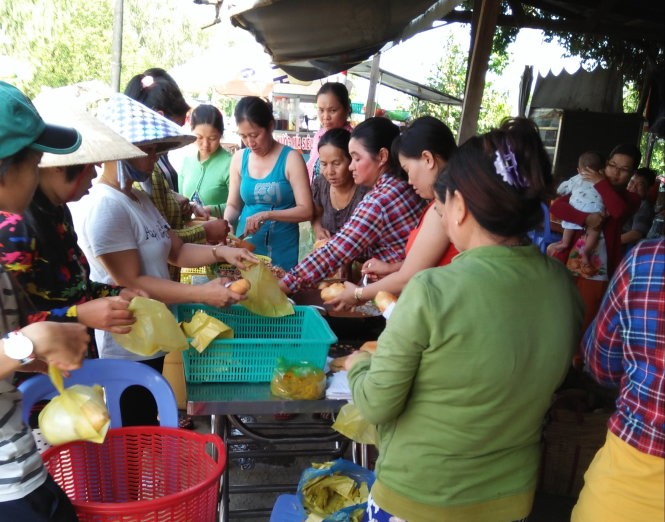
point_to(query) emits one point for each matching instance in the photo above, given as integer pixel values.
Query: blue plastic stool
(543, 238)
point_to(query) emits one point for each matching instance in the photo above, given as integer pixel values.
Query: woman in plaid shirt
(380, 224)
(625, 347)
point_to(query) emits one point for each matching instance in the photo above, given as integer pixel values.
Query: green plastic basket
(258, 341)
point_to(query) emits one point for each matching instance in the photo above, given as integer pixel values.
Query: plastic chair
(287, 508)
(543, 238)
(114, 375)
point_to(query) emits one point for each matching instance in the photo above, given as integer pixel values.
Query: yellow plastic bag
(300, 381)
(78, 413)
(203, 329)
(265, 297)
(352, 424)
(155, 329)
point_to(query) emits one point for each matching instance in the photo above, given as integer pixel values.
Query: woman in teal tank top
(269, 192)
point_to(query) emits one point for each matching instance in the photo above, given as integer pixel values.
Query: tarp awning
(312, 39)
(401, 84)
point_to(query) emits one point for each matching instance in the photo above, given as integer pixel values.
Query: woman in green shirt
(466, 367)
(204, 178)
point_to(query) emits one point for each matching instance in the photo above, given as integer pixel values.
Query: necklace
(340, 201)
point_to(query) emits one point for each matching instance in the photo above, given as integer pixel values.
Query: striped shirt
(625, 346)
(379, 227)
(21, 467)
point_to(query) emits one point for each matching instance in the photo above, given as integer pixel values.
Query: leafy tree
(449, 76)
(67, 41)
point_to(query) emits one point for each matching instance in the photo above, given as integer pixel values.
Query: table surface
(249, 398)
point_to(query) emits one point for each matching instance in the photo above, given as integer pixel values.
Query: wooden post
(475, 80)
(116, 55)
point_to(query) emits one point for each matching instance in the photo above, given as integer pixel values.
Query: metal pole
(374, 74)
(116, 55)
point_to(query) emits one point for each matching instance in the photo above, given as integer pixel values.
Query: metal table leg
(219, 427)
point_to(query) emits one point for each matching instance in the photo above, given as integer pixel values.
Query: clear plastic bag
(78, 413)
(296, 381)
(155, 329)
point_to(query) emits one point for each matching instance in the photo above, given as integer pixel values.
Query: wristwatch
(18, 347)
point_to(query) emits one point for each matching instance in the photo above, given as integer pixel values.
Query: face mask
(125, 169)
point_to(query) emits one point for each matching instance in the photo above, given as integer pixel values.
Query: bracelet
(358, 294)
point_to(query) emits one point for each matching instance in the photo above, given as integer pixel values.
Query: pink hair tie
(147, 81)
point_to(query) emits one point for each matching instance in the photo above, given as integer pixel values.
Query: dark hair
(501, 207)
(208, 115)
(337, 138)
(254, 110)
(425, 133)
(591, 159)
(375, 134)
(18, 157)
(648, 174)
(156, 89)
(628, 149)
(339, 91)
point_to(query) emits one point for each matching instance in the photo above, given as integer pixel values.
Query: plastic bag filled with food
(155, 329)
(78, 413)
(295, 381)
(265, 297)
(203, 329)
(335, 491)
(352, 424)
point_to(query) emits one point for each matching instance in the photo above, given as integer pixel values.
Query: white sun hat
(99, 142)
(142, 126)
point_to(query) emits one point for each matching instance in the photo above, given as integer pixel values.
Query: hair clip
(506, 167)
(147, 81)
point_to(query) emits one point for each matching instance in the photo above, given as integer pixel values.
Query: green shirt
(210, 178)
(462, 378)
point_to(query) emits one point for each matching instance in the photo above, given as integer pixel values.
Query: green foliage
(67, 41)
(449, 76)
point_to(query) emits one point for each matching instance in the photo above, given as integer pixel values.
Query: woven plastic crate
(258, 341)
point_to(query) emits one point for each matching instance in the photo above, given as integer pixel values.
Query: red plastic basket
(140, 474)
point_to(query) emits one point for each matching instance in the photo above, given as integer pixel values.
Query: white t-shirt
(109, 221)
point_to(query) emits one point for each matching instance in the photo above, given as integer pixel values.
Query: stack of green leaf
(324, 495)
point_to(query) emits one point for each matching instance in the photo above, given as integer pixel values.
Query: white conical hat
(99, 143)
(142, 126)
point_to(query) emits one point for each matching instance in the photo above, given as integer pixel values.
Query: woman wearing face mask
(423, 150)
(129, 243)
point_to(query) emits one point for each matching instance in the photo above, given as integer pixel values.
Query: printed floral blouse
(40, 249)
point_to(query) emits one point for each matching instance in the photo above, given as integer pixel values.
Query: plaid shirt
(379, 227)
(625, 345)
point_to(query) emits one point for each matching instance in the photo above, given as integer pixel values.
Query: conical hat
(99, 142)
(142, 126)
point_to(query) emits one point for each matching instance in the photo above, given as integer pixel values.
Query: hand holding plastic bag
(78, 413)
(265, 297)
(352, 424)
(155, 329)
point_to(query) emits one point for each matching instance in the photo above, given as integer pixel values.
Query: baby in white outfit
(585, 198)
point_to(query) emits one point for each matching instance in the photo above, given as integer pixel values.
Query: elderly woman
(380, 224)
(129, 243)
(28, 492)
(333, 106)
(466, 367)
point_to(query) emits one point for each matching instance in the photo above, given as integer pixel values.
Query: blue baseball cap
(21, 126)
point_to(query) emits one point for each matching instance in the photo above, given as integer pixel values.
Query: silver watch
(18, 347)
